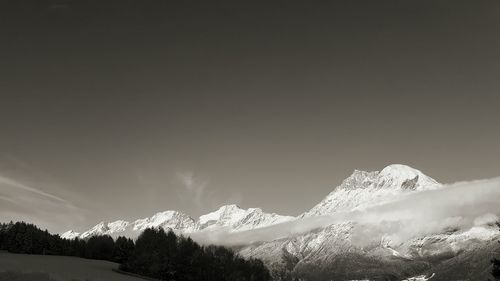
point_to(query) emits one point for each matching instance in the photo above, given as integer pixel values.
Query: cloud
(27, 202)
(12, 183)
(195, 187)
(455, 206)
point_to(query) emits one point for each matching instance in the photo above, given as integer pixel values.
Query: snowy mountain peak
(359, 179)
(363, 189)
(230, 217)
(119, 225)
(226, 215)
(237, 219)
(400, 170)
(405, 177)
(168, 220)
(70, 234)
(104, 228)
(99, 229)
(231, 208)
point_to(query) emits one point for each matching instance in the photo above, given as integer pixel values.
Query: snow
(225, 216)
(365, 189)
(238, 219)
(420, 278)
(361, 190)
(118, 226)
(396, 175)
(168, 220)
(230, 217)
(70, 234)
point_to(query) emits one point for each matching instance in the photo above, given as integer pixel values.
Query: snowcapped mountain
(167, 220)
(360, 190)
(350, 250)
(104, 228)
(229, 217)
(345, 250)
(237, 219)
(70, 234)
(364, 189)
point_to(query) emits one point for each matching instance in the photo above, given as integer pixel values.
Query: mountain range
(349, 248)
(230, 217)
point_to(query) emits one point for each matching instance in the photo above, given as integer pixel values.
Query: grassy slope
(60, 268)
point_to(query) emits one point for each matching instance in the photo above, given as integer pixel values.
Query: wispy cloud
(15, 184)
(195, 187)
(28, 202)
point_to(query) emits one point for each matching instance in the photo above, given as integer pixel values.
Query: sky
(120, 109)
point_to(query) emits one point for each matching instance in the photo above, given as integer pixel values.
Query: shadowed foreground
(57, 268)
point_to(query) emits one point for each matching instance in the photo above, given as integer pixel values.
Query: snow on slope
(237, 219)
(230, 217)
(225, 216)
(335, 243)
(167, 220)
(70, 234)
(348, 244)
(360, 190)
(104, 228)
(363, 189)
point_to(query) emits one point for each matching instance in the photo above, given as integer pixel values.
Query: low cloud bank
(458, 206)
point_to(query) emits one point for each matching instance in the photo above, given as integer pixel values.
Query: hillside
(59, 268)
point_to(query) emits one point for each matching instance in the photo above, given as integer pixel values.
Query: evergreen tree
(100, 247)
(123, 249)
(495, 271)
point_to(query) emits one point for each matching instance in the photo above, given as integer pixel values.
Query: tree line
(24, 238)
(156, 253)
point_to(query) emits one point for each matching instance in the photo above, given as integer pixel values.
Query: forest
(156, 253)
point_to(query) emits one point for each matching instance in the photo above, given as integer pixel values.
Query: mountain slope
(167, 220)
(350, 249)
(229, 217)
(236, 219)
(364, 189)
(357, 251)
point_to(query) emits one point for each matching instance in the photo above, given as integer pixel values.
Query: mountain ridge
(229, 217)
(385, 185)
(336, 251)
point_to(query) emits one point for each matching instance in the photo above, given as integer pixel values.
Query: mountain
(167, 220)
(236, 219)
(364, 189)
(348, 249)
(229, 217)
(70, 234)
(104, 228)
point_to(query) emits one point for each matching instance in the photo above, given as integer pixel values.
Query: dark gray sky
(119, 109)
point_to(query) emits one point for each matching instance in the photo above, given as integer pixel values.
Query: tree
(123, 249)
(495, 271)
(100, 247)
(166, 256)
